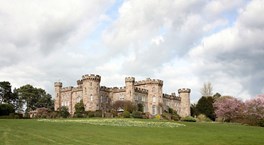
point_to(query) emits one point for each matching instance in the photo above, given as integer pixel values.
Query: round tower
(185, 104)
(130, 88)
(57, 103)
(91, 91)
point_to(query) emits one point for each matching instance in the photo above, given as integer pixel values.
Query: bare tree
(207, 89)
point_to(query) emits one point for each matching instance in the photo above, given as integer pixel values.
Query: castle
(147, 92)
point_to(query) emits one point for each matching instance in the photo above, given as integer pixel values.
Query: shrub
(140, 107)
(137, 114)
(90, 114)
(126, 114)
(64, 112)
(157, 116)
(170, 110)
(166, 116)
(175, 117)
(261, 123)
(146, 115)
(6, 109)
(98, 113)
(203, 118)
(188, 119)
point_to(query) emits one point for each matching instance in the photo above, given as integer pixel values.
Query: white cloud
(183, 43)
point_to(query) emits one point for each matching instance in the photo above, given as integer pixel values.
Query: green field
(37, 132)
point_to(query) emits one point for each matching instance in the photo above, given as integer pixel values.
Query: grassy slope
(34, 132)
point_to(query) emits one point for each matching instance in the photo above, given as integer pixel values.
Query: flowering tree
(228, 108)
(254, 111)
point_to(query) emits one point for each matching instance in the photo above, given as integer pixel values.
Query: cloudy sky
(184, 43)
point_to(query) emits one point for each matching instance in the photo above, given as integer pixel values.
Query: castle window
(136, 98)
(154, 110)
(78, 99)
(91, 96)
(153, 99)
(139, 98)
(121, 97)
(143, 99)
(145, 108)
(85, 91)
(101, 99)
(91, 84)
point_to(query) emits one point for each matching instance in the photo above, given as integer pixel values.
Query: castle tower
(91, 90)
(184, 94)
(130, 88)
(155, 101)
(58, 86)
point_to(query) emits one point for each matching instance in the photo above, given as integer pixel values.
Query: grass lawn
(37, 132)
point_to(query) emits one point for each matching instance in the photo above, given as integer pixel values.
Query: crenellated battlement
(184, 90)
(149, 81)
(106, 89)
(79, 82)
(171, 97)
(76, 89)
(91, 77)
(67, 88)
(120, 89)
(140, 90)
(58, 84)
(130, 79)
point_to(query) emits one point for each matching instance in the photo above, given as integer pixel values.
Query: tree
(64, 112)
(6, 109)
(205, 106)
(79, 109)
(140, 107)
(254, 112)
(194, 111)
(126, 105)
(5, 93)
(207, 89)
(35, 97)
(228, 108)
(216, 96)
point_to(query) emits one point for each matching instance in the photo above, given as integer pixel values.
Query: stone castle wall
(148, 92)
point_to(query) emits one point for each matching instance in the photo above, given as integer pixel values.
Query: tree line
(23, 99)
(227, 108)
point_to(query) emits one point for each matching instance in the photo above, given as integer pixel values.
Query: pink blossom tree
(228, 108)
(254, 112)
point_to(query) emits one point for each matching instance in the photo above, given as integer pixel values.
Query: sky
(183, 43)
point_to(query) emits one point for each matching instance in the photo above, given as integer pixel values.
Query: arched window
(153, 99)
(154, 110)
(91, 96)
(121, 97)
(153, 89)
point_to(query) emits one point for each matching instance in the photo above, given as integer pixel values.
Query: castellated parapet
(184, 90)
(149, 81)
(67, 88)
(148, 92)
(58, 84)
(172, 96)
(140, 90)
(91, 77)
(130, 79)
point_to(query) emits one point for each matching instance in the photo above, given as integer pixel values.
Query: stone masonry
(147, 92)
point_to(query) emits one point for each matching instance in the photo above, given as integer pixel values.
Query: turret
(130, 88)
(57, 86)
(91, 90)
(185, 105)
